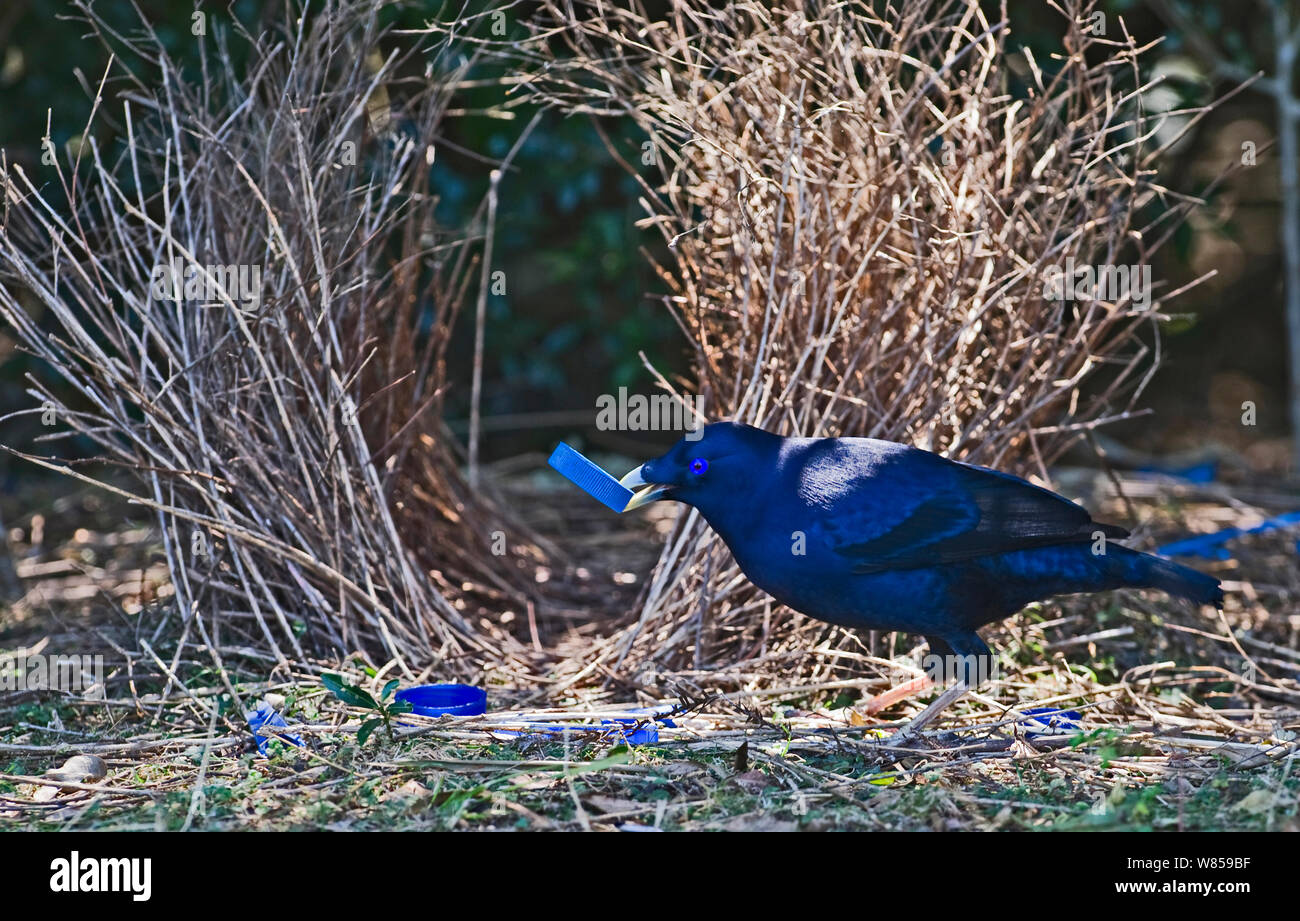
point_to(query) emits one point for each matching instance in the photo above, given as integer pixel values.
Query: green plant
(355, 696)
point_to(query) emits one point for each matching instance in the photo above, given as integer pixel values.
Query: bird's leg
(942, 653)
(964, 659)
(909, 732)
(894, 695)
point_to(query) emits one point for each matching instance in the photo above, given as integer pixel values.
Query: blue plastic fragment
(1196, 473)
(588, 477)
(444, 699)
(646, 735)
(1049, 721)
(264, 715)
(658, 714)
(1210, 546)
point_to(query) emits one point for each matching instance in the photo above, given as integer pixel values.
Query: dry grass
(291, 447)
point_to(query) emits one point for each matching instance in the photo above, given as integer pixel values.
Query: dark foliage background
(581, 301)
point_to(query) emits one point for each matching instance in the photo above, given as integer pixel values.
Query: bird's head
(706, 470)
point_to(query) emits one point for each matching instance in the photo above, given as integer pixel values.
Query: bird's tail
(1182, 581)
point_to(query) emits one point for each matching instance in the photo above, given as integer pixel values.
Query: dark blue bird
(876, 535)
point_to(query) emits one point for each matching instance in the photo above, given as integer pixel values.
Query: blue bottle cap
(440, 699)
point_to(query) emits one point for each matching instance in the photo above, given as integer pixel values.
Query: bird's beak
(650, 493)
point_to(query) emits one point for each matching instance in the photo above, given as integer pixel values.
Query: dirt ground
(1178, 718)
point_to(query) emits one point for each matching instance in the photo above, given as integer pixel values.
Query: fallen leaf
(742, 758)
(1003, 817)
(535, 781)
(1020, 750)
(610, 804)
(753, 781)
(80, 769)
(1261, 801)
(759, 822)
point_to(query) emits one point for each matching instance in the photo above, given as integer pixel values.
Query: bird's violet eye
(699, 465)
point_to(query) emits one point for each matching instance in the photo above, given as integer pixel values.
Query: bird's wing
(901, 508)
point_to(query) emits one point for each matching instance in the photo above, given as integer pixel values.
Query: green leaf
(390, 688)
(619, 754)
(363, 699)
(367, 728)
(399, 706)
(350, 694)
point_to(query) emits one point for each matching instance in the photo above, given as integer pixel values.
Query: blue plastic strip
(1042, 721)
(1196, 473)
(1210, 546)
(590, 478)
(646, 735)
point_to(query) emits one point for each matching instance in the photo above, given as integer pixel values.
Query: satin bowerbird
(874, 535)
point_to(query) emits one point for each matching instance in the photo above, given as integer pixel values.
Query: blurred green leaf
(368, 727)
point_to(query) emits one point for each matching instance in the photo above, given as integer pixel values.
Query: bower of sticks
(857, 216)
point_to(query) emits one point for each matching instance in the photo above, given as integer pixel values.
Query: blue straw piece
(1210, 546)
(1207, 472)
(620, 728)
(588, 477)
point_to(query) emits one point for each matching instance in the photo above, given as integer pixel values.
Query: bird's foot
(909, 732)
(903, 691)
